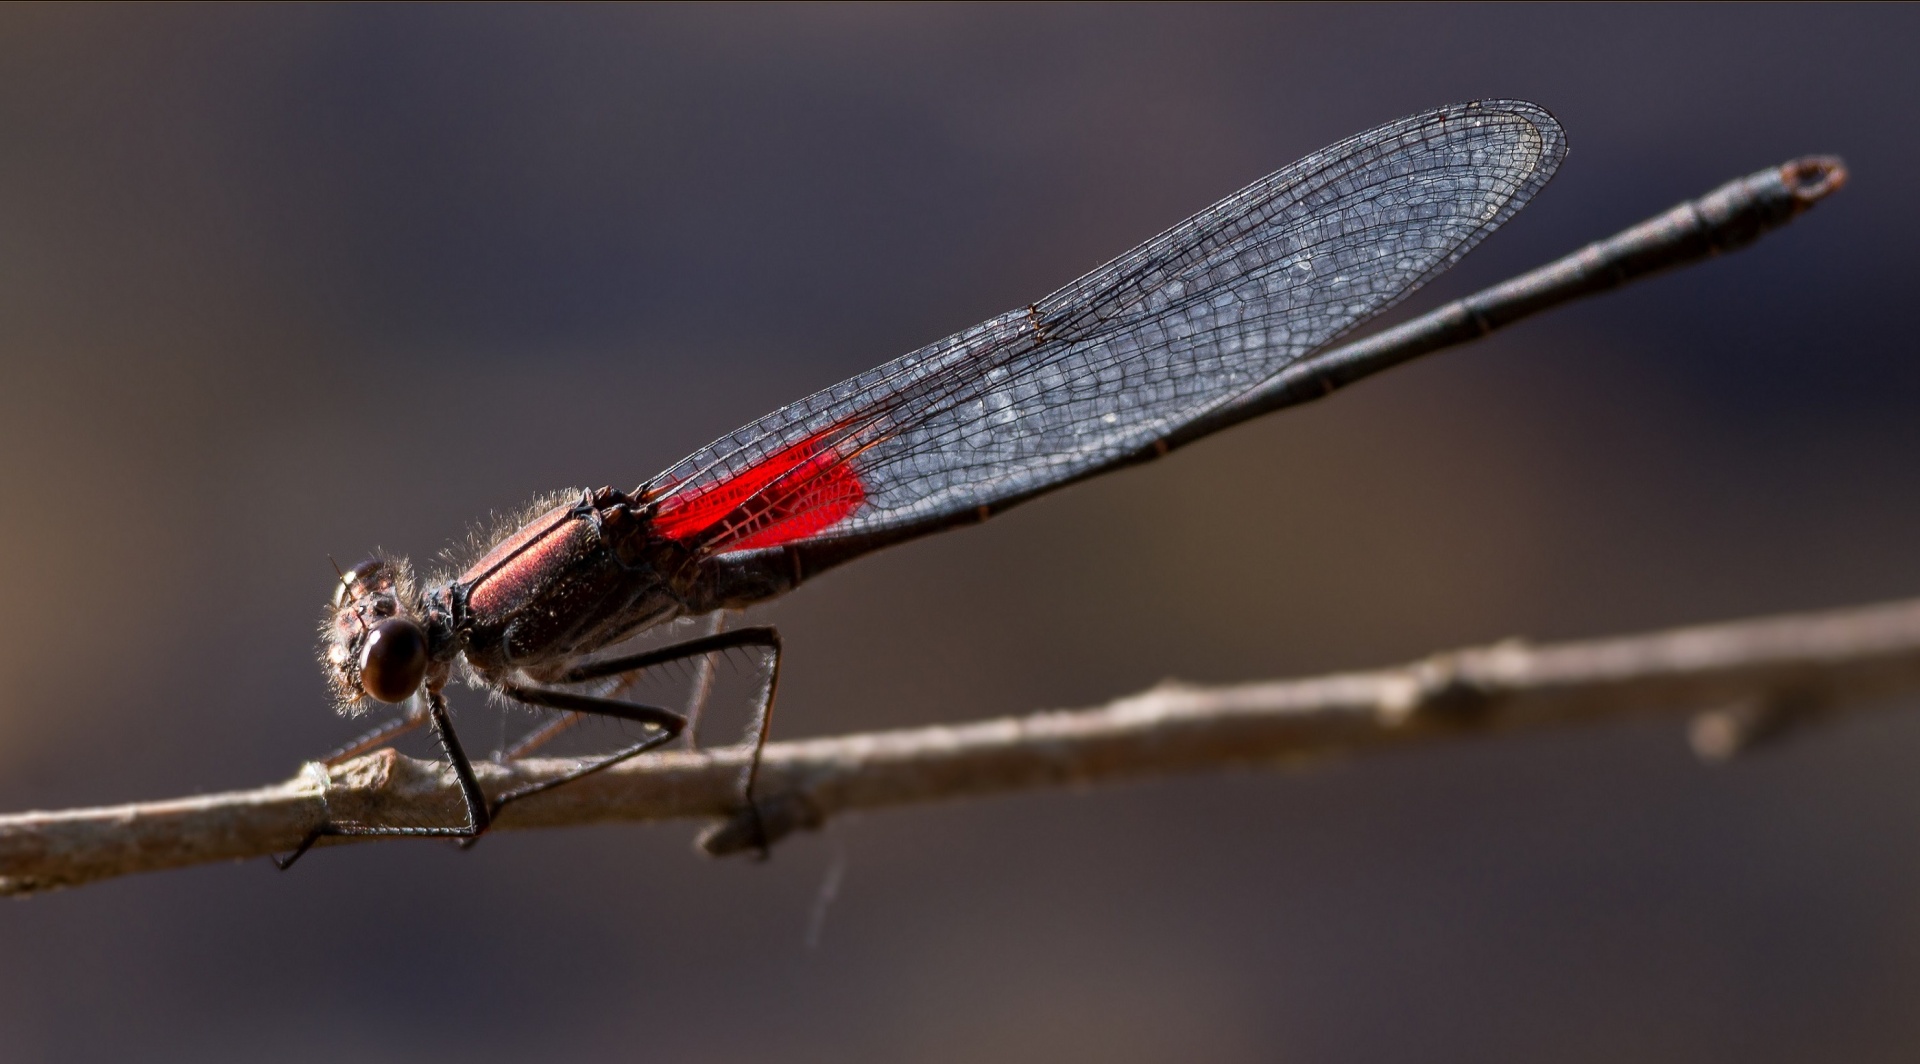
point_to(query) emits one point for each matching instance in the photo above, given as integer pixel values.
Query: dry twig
(1752, 678)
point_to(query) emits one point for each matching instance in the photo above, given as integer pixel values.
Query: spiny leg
(542, 735)
(575, 708)
(380, 736)
(702, 683)
(571, 719)
(669, 723)
(479, 816)
(696, 703)
(665, 722)
(764, 636)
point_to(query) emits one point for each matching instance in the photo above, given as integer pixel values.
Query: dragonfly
(1227, 315)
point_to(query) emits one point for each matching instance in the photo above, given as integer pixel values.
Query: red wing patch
(787, 496)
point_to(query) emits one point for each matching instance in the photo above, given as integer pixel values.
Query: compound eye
(393, 660)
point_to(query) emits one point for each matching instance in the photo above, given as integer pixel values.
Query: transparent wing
(1100, 370)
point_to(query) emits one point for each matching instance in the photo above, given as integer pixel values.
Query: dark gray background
(283, 284)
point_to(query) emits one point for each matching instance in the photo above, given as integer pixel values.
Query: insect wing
(1097, 372)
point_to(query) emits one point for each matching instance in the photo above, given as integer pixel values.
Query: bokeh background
(279, 284)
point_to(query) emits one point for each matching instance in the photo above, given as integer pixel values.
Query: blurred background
(279, 284)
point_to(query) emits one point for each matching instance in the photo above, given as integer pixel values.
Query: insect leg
(665, 722)
(380, 736)
(763, 636)
(479, 816)
(542, 736)
(696, 702)
(702, 683)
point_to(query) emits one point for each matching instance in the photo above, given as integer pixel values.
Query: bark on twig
(1751, 679)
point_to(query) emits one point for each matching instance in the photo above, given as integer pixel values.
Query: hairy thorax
(582, 575)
